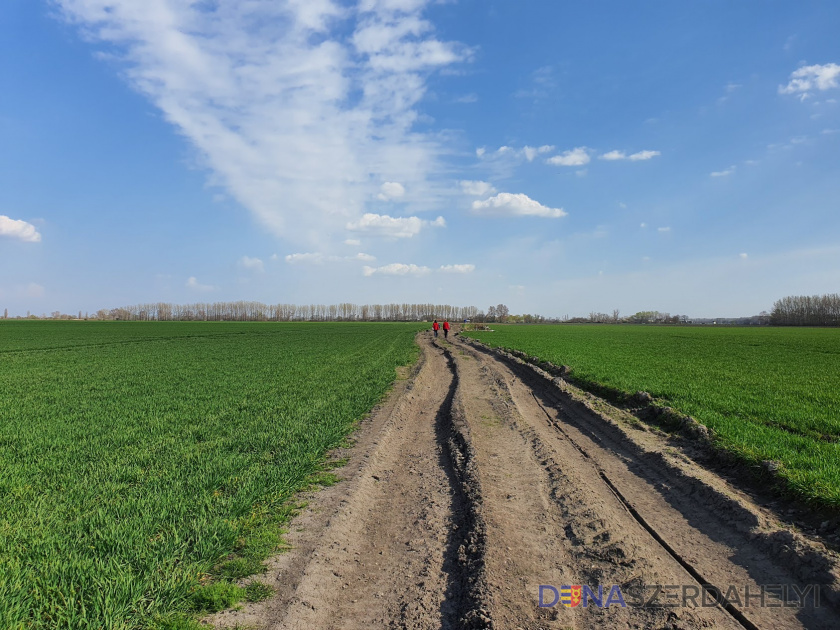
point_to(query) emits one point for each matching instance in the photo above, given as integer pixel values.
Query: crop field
(143, 466)
(767, 394)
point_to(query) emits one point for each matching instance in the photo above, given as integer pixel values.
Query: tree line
(807, 310)
(244, 311)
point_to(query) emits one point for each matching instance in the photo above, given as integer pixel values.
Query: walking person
(446, 329)
(435, 327)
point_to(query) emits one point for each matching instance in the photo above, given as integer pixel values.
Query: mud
(482, 478)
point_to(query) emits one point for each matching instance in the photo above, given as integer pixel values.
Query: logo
(570, 596)
(682, 596)
(580, 595)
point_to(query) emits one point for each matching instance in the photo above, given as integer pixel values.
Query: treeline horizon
(250, 311)
(807, 310)
(802, 310)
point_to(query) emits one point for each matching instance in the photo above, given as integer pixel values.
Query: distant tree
(615, 315)
(491, 314)
(807, 310)
(6, 314)
(502, 312)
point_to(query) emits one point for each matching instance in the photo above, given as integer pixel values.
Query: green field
(143, 463)
(767, 393)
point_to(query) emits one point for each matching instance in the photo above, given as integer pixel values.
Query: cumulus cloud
(633, 157)
(391, 190)
(578, 156)
(195, 285)
(252, 264)
(21, 230)
(392, 227)
(457, 268)
(396, 269)
(295, 107)
(816, 77)
(477, 188)
(508, 204)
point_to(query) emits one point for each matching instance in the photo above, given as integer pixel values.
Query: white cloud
(724, 173)
(508, 204)
(467, 98)
(828, 132)
(195, 285)
(391, 190)
(614, 155)
(643, 155)
(308, 257)
(393, 227)
(643, 225)
(532, 152)
(396, 269)
(575, 157)
(816, 77)
(353, 242)
(663, 229)
(296, 107)
(457, 268)
(633, 157)
(477, 188)
(252, 264)
(21, 230)
(743, 255)
(317, 258)
(479, 152)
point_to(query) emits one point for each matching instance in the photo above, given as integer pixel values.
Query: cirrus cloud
(295, 108)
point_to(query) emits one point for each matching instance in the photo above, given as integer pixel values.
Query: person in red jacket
(446, 329)
(435, 327)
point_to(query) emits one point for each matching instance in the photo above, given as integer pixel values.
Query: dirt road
(480, 488)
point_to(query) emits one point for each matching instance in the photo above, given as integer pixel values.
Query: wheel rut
(479, 489)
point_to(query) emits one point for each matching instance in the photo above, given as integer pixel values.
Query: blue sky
(558, 157)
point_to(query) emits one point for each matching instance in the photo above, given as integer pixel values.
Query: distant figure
(446, 329)
(436, 327)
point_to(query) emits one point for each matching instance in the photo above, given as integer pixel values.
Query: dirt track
(479, 480)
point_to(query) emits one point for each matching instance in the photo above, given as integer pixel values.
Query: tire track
(704, 526)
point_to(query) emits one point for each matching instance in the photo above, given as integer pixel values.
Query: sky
(558, 157)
